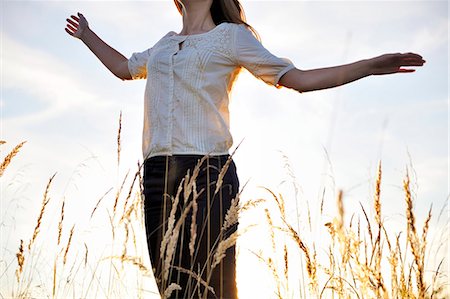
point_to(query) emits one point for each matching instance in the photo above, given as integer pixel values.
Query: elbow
(121, 71)
(124, 76)
(293, 79)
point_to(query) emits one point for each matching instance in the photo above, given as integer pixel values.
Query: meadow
(360, 257)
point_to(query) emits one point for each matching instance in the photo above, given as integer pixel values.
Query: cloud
(42, 77)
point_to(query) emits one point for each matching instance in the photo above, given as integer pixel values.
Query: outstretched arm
(117, 63)
(316, 79)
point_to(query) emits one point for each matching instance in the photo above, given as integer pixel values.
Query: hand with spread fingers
(77, 26)
(395, 63)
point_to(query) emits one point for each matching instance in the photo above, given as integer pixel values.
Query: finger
(69, 32)
(415, 57)
(406, 70)
(71, 28)
(412, 54)
(72, 22)
(75, 18)
(412, 62)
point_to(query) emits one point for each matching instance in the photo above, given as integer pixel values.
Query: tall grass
(365, 258)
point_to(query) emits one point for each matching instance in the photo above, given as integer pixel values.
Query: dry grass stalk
(171, 220)
(60, 224)
(172, 243)
(171, 288)
(377, 200)
(45, 201)
(69, 241)
(403, 286)
(134, 260)
(134, 207)
(273, 269)
(193, 228)
(369, 227)
(118, 139)
(222, 173)
(411, 221)
(130, 191)
(99, 201)
(86, 252)
(341, 216)
(377, 207)
(191, 179)
(393, 261)
(270, 263)
(250, 204)
(413, 238)
(116, 201)
(224, 169)
(286, 268)
(54, 277)
(125, 242)
(20, 260)
(271, 226)
(423, 242)
(197, 278)
(279, 201)
(9, 157)
(232, 215)
(222, 247)
(311, 266)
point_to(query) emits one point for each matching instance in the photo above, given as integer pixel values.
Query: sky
(57, 96)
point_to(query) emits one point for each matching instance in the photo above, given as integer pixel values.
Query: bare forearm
(111, 58)
(339, 75)
(324, 78)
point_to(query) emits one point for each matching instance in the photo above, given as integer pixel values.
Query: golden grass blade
(193, 228)
(172, 241)
(116, 201)
(171, 288)
(130, 191)
(118, 139)
(223, 245)
(69, 242)
(86, 252)
(413, 238)
(171, 221)
(20, 260)
(99, 201)
(377, 201)
(341, 216)
(197, 278)
(60, 224)
(45, 201)
(9, 157)
(286, 268)
(232, 215)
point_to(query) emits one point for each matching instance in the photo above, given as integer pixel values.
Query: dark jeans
(162, 178)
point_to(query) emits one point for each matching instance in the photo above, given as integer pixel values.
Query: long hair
(229, 11)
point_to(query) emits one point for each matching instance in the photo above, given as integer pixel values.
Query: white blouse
(189, 78)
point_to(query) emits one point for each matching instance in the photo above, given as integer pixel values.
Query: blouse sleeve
(251, 54)
(137, 64)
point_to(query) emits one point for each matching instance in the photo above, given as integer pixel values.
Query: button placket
(171, 109)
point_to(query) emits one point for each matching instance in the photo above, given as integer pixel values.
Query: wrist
(84, 36)
(368, 66)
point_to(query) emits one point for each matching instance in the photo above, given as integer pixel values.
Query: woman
(186, 123)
